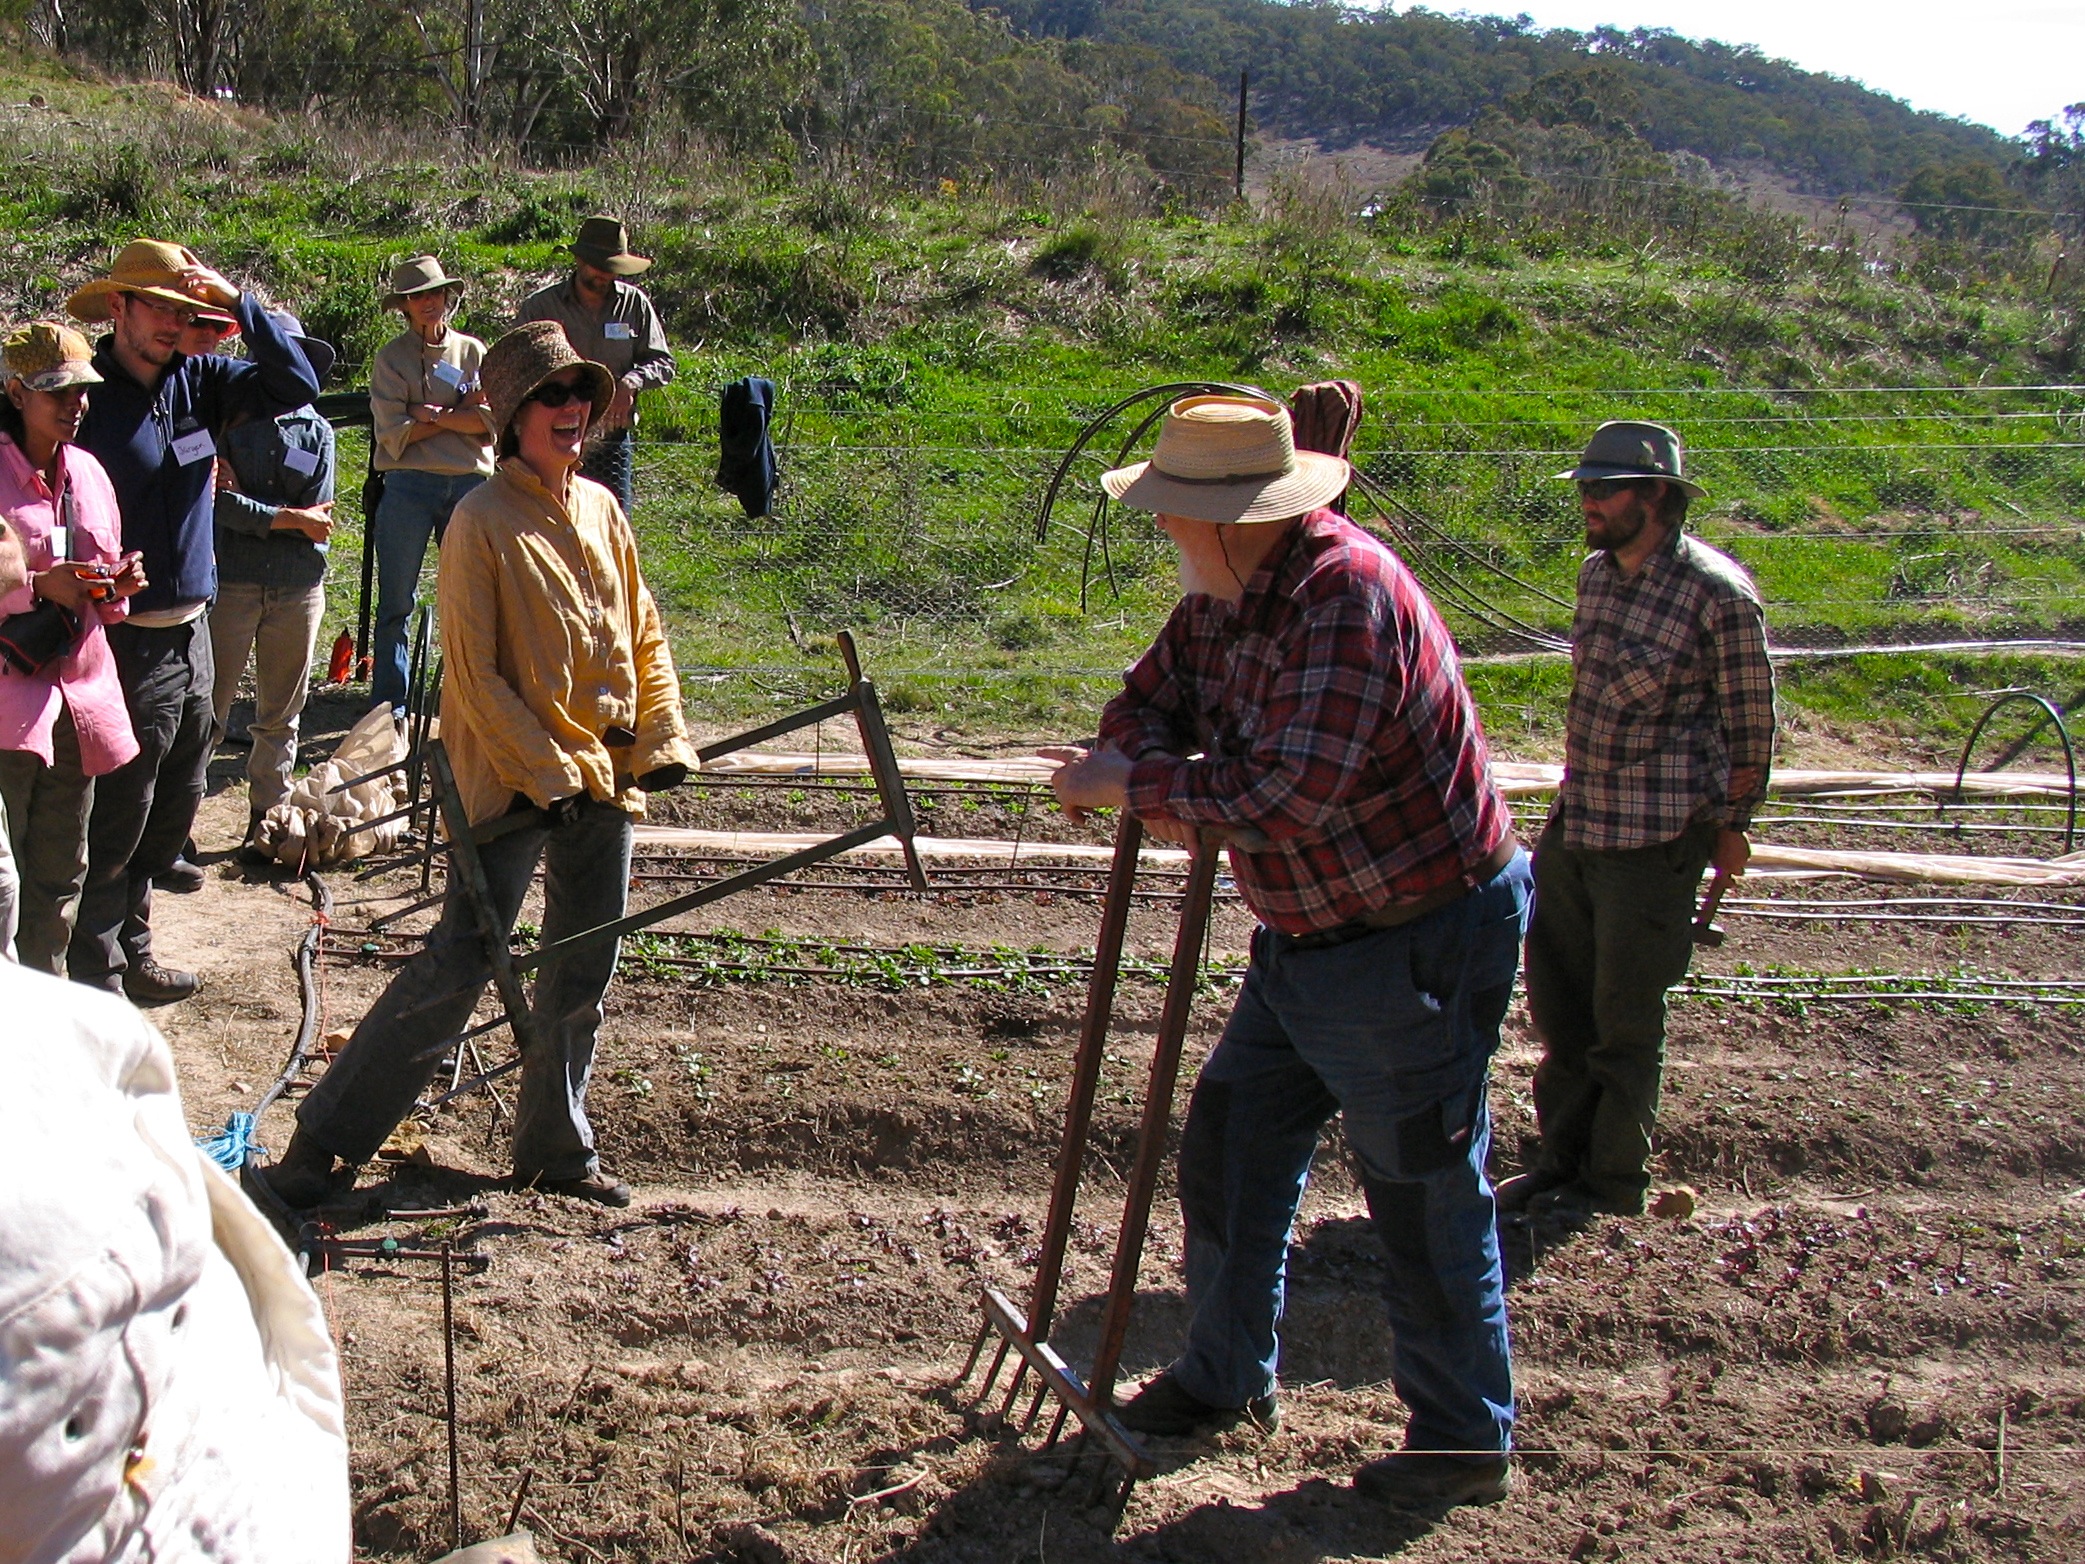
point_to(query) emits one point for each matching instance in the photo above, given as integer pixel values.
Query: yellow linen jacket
(549, 639)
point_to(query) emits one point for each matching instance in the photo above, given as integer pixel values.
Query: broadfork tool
(1092, 1399)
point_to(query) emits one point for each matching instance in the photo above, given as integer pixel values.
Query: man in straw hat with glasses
(1668, 739)
(153, 424)
(1305, 690)
(608, 320)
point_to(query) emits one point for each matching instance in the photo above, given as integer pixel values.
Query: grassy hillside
(1350, 73)
(938, 353)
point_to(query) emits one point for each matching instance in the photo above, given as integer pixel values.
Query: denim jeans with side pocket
(1395, 1032)
(415, 507)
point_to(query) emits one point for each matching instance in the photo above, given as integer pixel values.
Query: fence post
(1243, 78)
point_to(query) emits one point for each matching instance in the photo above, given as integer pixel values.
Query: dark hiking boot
(304, 1176)
(149, 983)
(1574, 1205)
(181, 877)
(1427, 1480)
(1513, 1194)
(597, 1187)
(1164, 1408)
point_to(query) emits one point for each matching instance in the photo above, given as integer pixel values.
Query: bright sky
(2000, 62)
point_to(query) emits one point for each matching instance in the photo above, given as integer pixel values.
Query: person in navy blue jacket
(153, 423)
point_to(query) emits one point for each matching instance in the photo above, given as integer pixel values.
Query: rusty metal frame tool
(1092, 1399)
(859, 702)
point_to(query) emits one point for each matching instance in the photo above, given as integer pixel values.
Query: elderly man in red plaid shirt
(1306, 691)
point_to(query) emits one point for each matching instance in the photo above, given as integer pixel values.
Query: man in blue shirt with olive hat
(1668, 738)
(154, 423)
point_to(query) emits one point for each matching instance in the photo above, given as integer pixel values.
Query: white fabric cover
(168, 1389)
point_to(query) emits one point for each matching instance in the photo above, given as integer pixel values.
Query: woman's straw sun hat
(1229, 459)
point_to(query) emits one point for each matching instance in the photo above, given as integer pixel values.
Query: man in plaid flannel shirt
(1306, 697)
(1669, 735)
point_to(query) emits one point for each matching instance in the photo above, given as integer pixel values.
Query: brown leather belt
(1397, 914)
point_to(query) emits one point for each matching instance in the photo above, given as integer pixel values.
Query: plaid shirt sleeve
(1313, 736)
(1149, 717)
(1744, 680)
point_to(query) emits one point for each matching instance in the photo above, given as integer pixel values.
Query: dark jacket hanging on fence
(747, 467)
(1326, 416)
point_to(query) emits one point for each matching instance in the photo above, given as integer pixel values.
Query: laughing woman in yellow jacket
(560, 701)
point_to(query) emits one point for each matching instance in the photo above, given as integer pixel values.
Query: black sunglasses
(1608, 488)
(556, 393)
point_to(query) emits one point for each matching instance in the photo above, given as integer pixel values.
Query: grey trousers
(400, 1043)
(279, 626)
(45, 811)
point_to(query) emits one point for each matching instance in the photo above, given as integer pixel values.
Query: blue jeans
(415, 507)
(398, 1045)
(1395, 1031)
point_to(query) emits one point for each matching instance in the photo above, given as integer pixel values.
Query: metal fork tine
(977, 1349)
(1042, 1389)
(1013, 1389)
(992, 1373)
(1101, 1480)
(1057, 1426)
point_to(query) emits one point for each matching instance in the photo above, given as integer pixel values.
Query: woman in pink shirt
(64, 724)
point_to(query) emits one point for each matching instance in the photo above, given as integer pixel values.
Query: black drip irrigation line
(1097, 525)
(309, 949)
(2063, 732)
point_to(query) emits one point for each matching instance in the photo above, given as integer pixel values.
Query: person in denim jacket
(274, 517)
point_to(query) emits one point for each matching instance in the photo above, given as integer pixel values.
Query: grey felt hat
(1627, 449)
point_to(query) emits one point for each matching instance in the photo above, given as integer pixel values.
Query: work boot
(596, 1186)
(1428, 1480)
(1165, 1408)
(1513, 1194)
(181, 877)
(149, 983)
(304, 1176)
(1574, 1205)
(251, 855)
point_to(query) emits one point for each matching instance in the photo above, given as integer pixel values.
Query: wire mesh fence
(920, 535)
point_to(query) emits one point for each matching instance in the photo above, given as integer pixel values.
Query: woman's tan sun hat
(421, 274)
(526, 357)
(1229, 459)
(150, 268)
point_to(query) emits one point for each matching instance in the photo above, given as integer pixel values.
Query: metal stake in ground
(449, 1392)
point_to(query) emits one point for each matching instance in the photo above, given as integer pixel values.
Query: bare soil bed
(1885, 1279)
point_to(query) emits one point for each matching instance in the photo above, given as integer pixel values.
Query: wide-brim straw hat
(149, 268)
(526, 357)
(1229, 459)
(1625, 448)
(604, 242)
(46, 356)
(421, 274)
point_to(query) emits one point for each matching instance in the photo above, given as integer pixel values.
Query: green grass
(936, 353)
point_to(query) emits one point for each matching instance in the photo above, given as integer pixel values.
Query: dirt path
(1888, 1266)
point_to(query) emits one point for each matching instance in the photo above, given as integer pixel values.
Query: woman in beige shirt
(433, 444)
(560, 711)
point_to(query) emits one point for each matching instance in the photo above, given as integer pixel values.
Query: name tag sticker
(299, 460)
(60, 542)
(618, 331)
(449, 375)
(194, 446)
